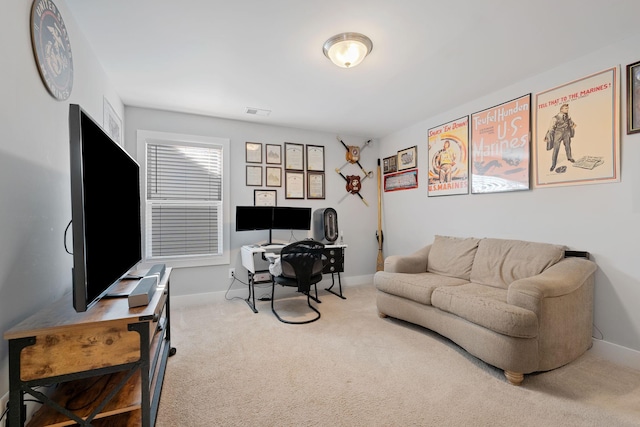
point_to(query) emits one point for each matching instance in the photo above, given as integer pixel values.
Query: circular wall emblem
(51, 48)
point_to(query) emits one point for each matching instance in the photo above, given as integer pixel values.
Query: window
(183, 208)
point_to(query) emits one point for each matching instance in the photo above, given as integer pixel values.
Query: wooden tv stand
(101, 367)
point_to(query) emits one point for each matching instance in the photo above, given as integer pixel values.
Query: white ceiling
(217, 58)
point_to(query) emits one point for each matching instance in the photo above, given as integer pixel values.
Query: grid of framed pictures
(401, 170)
(299, 158)
(303, 174)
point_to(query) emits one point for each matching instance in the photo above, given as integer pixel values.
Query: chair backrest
(301, 261)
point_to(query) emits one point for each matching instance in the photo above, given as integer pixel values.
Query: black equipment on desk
(325, 225)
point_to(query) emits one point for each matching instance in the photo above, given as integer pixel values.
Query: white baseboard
(616, 353)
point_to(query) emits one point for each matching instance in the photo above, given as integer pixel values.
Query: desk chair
(301, 264)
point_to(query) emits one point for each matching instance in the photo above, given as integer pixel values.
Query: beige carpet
(351, 368)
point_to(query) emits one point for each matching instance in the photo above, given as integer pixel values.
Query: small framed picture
(633, 98)
(315, 185)
(253, 152)
(265, 197)
(274, 154)
(293, 156)
(274, 176)
(254, 176)
(294, 185)
(408, 158)
(389, 164)
(112, 124)
(315, 158)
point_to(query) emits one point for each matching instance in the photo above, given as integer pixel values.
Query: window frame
(145, 137)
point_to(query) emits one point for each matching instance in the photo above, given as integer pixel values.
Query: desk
(257, 266)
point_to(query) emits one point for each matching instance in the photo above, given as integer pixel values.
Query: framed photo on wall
(633, 98)
(315, 185)
(294, 156)
(408, 158)
(315, 158)
(389, 164)
(112, 124)
(265, 197)
(294, 185)
(274, 154)
(274, 176)
(253, 152)
(254, 176)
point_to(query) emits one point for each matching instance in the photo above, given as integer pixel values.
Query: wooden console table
(101, 367)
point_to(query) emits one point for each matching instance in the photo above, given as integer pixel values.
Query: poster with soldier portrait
(576, 133)
(448, 148)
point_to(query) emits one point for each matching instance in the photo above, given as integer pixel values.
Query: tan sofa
(520, 306)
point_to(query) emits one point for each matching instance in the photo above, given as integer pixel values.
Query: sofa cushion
(413, 286)
(499, 262)
(452, 256)
(486, 306)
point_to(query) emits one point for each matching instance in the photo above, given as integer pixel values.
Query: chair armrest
(413, 263)
(560, 279)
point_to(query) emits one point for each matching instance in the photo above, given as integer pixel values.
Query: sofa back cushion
(499, 262)
(452, 256)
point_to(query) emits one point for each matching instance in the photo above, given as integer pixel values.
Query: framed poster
(315, 158)
(294, 185)
(633, 98)
(274, 154)
(265, 197)
(408, 158)
(401, 180)
(315, 185)
(447, 149)
(576, 132)
(253, 152)
(274, 176)
(389, 164)
(500, 148)
(293, 156)
(254, 176)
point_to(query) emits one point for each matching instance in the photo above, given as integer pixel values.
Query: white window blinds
(184, 200)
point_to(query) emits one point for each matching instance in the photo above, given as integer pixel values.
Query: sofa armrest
(562, 298)
(560, 279)
(413, 263)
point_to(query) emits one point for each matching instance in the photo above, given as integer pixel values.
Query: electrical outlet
(232, 273)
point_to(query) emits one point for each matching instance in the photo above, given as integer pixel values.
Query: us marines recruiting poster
(448, 158)
(577, 132)
(500, 147)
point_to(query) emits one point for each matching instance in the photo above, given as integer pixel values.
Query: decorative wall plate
(51, 48)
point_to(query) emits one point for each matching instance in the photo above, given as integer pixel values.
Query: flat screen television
(272, 218)
(105, 210)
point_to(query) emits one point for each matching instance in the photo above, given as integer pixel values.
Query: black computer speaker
(325, 225)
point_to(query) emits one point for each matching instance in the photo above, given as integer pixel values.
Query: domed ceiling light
(347, 50)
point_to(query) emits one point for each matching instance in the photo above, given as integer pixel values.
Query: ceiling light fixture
(347, 50)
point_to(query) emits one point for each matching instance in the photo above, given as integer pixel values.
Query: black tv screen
(105, 209)
(290, 218)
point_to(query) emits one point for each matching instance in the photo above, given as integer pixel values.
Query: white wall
(601, 219)
(34, 168)
(356, 221)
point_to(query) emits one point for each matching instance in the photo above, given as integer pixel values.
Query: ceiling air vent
(257, 111)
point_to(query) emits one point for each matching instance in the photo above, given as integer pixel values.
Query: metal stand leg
(251, 299)
(333, 282)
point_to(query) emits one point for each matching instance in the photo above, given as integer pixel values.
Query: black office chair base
(293, 322)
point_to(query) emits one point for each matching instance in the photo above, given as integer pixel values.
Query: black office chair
(301, 264)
